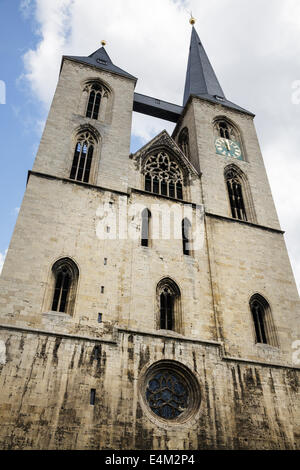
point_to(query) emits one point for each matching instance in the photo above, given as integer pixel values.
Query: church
(147, 299)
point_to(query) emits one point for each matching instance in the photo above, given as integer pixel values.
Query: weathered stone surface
(46, 384)
(50, 361)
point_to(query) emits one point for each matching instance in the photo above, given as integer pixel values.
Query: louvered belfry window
(82, 159)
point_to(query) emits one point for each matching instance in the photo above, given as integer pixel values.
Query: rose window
(167, 395)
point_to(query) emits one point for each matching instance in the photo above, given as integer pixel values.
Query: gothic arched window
(163, 176)
(94, 100)
(226, 130)
(186, 236)
(263, 321)
(239, 194)
(169, 302)
(235, 193)
(83, 155)
(183, 141)
(65, 274)
(95, 94)
(228, 140)
(145, 231)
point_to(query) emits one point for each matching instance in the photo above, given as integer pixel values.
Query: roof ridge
(101, 60)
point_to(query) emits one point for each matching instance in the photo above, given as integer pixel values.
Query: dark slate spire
(101, 60)
(201, 79)
(200, 76)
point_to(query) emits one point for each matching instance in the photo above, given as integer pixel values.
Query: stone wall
(67, 115)
(46, 381)
(248, 391)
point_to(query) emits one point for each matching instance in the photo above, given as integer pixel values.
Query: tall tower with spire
(147, 300)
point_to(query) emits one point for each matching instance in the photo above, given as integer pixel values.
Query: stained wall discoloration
(46, 404)
(2, 352)
(50, 361)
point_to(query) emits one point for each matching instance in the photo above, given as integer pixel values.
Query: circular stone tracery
(170, 391)
(163, 167)
(167, 395)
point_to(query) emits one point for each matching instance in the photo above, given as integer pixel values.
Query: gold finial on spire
(192, 19)
(103, 42)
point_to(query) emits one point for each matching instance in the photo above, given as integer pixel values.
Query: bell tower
(247, 253)
(92, 98)
(147, 300)
(84, 146)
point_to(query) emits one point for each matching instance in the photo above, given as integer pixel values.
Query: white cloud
(2, 258)
(254, 48)
(146, 127)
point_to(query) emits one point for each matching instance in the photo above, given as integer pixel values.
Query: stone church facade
(147, 300)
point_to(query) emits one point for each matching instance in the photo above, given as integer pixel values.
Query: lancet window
(83, 155)
(263, 321)
(235, 193)
(169, 305)
(183, 141)
(186, 229)
(145, 230)
(96, 92)
(65, 273)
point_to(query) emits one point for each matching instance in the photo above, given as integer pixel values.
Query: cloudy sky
(254, 46)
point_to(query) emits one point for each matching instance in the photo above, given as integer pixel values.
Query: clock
(228, 148)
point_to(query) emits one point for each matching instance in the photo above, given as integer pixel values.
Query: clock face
(228, 148)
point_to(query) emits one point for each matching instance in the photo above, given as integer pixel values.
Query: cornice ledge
(244, 222)
(37, 331)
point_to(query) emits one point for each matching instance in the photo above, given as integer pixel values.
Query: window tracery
(235, 193)
(163, 176)
(228, 140)
(263, 321)
(169, 305)
(225, 130)
(83, 155)
(167, 394)
(65, 281)
(170, 391)
(96, 92)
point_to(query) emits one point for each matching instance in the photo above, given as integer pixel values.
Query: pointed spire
(201, 79)
(101, 60)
